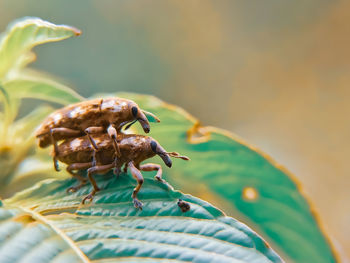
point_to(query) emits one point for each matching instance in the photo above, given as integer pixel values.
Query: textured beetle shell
(79, 116)
(133, 147)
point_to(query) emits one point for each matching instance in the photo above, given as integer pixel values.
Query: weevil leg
(94, 158)
(62, 132)
(117, 171)
(92, 130)
(83, 181)
(65, 132)
(92, 171)
(117, 168)
(112, 132)
(137, 165)
(55, 153)
(138, 176)
(125, 169)
(153, 167)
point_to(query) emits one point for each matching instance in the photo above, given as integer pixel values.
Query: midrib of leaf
(59, 232)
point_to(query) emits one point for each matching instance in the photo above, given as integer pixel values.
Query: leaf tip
(77, 32)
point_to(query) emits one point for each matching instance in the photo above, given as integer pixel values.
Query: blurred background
(274, 72)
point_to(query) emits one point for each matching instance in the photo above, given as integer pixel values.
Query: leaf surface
(24, 34)
(18, 82)
(239, 179)
(45, 224)
(41, 88)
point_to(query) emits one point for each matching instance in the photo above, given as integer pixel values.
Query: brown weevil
(91, 117)
(79, 155)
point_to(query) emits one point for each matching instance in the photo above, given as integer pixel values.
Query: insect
(89, 117)
(79, 155)
(184, 206)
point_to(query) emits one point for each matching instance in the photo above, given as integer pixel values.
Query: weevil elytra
(79, 155)
(90, 117)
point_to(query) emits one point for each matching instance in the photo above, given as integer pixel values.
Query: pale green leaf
(29, 172)
(23, 61)
(22, 35)
(16, 144)
(10, 109)
(28, 123)
(41, 88)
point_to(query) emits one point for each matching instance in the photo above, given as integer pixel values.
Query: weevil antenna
(129, 125)
(177, 155)
(151, 114)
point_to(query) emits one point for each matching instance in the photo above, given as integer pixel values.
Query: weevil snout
(141, 117)
(145, 126)
(167, 160)
(157, 149)
(144, 122)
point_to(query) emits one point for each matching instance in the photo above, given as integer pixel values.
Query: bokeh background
(274, 72)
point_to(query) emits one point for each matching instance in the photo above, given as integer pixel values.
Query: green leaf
(10, 106)
(10, 110)
(31, 170)
(45, 224)
(23, 61)
(240, 180)
(37, 87)
(17, 82)
(22, 35)
(15, 147)
(28, 123)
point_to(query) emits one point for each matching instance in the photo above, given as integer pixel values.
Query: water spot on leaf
(250, 193)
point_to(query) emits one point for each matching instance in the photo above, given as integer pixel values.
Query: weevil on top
(91, 117)
(80, 155)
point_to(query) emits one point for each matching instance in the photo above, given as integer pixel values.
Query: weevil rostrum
(91, 117)
(80, 155)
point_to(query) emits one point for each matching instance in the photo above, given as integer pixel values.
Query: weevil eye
(154, 146)
(134, 111)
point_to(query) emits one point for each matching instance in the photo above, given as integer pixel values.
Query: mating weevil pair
(93, 140)
(91, 117)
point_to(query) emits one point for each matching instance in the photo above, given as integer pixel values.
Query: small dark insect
(80, 155)
(91, 117)
(184, 206)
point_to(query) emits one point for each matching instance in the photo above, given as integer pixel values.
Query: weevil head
(139, 116)
(157, 149)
